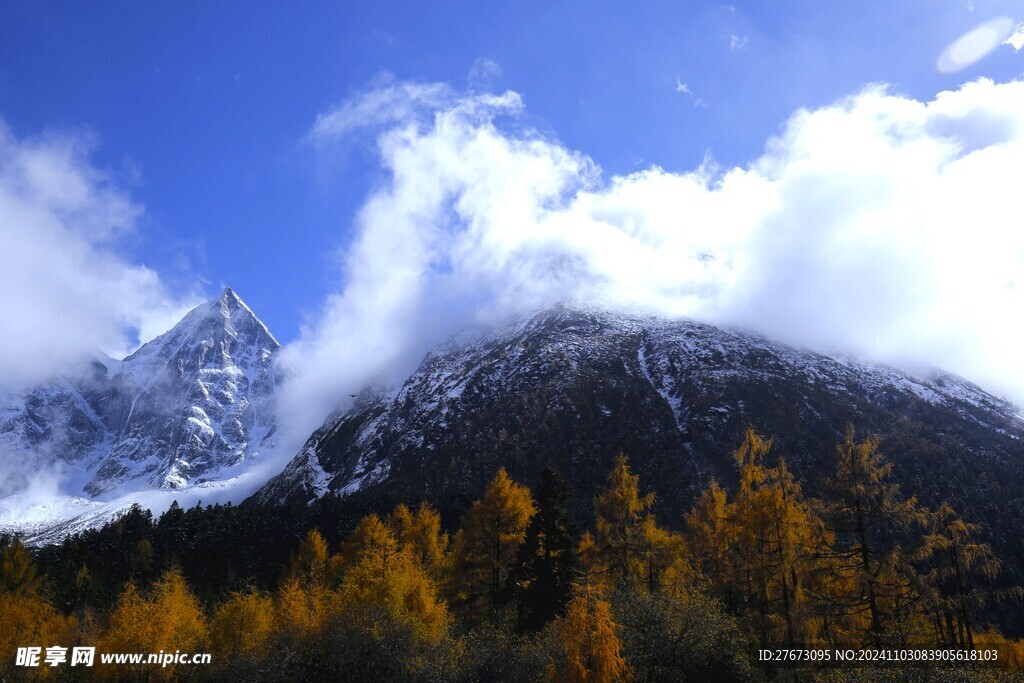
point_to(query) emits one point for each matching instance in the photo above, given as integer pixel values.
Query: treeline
(217, 548)
(518, 592)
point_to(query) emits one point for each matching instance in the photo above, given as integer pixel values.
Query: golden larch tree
(958, 573)
(779, 546)
(169, 618)
(708, 535)
(28, 620)
(868, 514)
(631, 547)
(422, 534)
(383, 578)
(17, 571)
(309, 563)
(486, 546)
(589, 641)
(242, 625)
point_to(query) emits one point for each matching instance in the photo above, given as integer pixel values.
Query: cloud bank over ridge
(878, 225)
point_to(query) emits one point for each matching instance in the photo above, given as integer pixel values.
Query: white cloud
(974, 45)
(388, 103)
(738, 42)
(880, 225)
(66, 290)
(1016, 39)
(483, 74)
(684, 89)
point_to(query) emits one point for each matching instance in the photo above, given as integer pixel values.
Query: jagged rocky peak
(241, 321)
(196, 404)
(201, 400)
(183, 409)
(211, 333)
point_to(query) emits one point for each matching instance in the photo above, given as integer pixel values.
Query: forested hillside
(369, 589)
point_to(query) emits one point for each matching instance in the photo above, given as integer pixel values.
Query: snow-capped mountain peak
(180, 410)
(205, 399)
(212, 331)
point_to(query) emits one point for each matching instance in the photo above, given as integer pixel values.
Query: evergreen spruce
(547, 563)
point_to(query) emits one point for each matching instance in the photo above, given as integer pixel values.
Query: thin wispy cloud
(483, 74)
(876, 225)
(382, 38)
(387, 103)
(684, 89)
(738, 42)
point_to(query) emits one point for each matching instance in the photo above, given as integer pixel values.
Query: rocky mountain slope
(575, 387)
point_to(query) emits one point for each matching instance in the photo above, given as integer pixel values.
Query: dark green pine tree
(170, 535)
(547, 563)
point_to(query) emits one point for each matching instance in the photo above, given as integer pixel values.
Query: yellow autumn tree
(485, 548)
(958, 572)
(383, 579)
(592, 570)
(631, 547)
(169, 618)
(589, 641)
(17, 571)
(421, 533)
(30, 621)
(708, 535)
(779, 546)
(400, 521)
(371, 536)
(303, 609)
(26, 618)
(309, 563)
(664, 561)
(867, 514)
(305, 603)
(242, 625)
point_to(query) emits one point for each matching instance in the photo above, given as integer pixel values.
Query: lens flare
(974, 45)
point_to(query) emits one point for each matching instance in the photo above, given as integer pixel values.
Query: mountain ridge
(574, 387)
(566, 385)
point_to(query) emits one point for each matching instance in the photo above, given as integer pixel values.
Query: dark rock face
(574, 388)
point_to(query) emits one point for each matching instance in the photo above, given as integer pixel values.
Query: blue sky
(199, 110)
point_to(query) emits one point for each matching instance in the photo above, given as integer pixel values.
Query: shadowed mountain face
(574, 388)
(181, 409)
